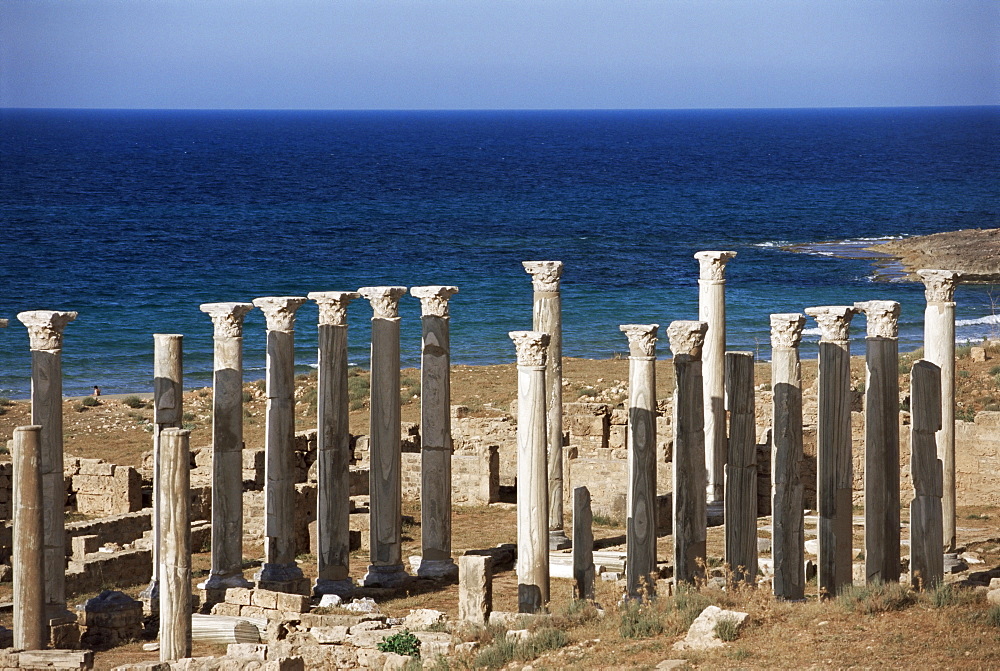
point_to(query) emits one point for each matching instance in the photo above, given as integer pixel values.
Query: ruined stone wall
(475, 476)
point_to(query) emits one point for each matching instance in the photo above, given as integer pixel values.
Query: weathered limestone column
(532, 483)
(475, 589)
(279, 571)
(690, 521)
(333, 446)
(712, 311)
(881, 441)
(741, 469)
(435, 433)
(834, 469)
(385, 483)
(547, 318)
(227, 446)
(168, 412)
(939, 348)
(787, 521)
(175, 557)
(926, 525)
(30, 623)
(640, 526)
(583, 545)
(45, 335)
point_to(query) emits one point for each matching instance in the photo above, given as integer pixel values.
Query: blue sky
(498, 54)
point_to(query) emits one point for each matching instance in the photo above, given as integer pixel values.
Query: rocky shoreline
(974, 252)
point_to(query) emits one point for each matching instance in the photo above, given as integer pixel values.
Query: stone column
(475, 589)
(834, 468)
(741, 469)
(881, 441)
(175, 557)
(385, 483)
(333, 446)
(547, 318)
(227, 446)
(939, 348)
(279, 571)
(168, 411)
(712, 311)
(28, 561)
(532, 483)
(640, 526)
(788, 535)
(583, 545)
(45, 335)
(435, 433)
(926, 526)
(690, 522)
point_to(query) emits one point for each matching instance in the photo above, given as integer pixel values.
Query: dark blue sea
(134, 218)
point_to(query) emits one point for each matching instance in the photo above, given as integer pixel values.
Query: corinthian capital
(641, 339)
(544, 274)
(531, 347)
(279, 311)
(882, 316)
(227, 318)
(834, 321)
(433, 299)
(45, 327)
(333, 306)
(939, 285)
(712, 265)
(384, 300)
(687, 338)
(786, 329)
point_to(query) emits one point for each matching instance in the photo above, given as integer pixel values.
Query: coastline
(974, 252)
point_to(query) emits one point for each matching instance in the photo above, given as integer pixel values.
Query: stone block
(56, 659)
(475, 589)
(256, 651)
(285, 664)
(84, 545)
(96, 467)
(227, 609)
(239, 595)
(292, 603)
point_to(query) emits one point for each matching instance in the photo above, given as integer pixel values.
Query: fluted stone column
(175, 557)
(834, 468)
(741, 469)
(690, 522)
(168, 412)
(788, 535)
(333, 446)
(45, 335)
(547, 318)
(926, 525)
(227, 445)
(881, 441)
(532, 483)
(640, 529)
(435, 433)
(712, 311)
(28, 561)
(279, 571)
(385, 483)
(939, 348)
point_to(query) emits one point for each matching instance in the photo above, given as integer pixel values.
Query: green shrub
(876, 597)
(727, 629)
(965, 414)
(358, 388)
(90, 401)
(4, 401)
(964, 374)
(188, 416)
(495, 655)
(993, 616)
(639, 620)
(133, 401)
(543, 640)
(403, 643)
(994, 370)
(247, 396)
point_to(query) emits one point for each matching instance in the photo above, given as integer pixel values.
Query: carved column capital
(882, 316)
(712, 265)
(786, 329)
(384, 300)
(45, 327)
(227, 318)
(834, 321)
(545, 275)
(333, 306)
(687, 338)
(641, 340)
(531, 347)
(279, 311)
(433, 299)
(939, 285)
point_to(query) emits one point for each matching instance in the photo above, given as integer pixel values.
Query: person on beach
(97, 391)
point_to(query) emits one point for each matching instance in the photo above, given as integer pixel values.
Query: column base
(282, 578)
(437, 568)
(343, 587)
(220, 581)
(558, 540)
(393, 575)
(953, 563)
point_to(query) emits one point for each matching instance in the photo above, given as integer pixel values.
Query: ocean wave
(772, 244)
(813, 331)
(988, 319)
